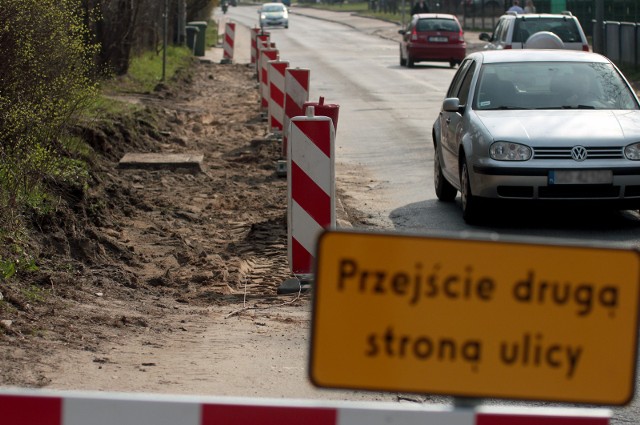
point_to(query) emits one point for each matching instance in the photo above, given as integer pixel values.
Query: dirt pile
(120, 258)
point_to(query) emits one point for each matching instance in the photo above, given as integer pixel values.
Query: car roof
(435, 16)
(539, 55)
(273, 4)
(526, 16)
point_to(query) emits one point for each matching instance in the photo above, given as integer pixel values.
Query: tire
(452, 64)
(410, 62)
(444, 190)
(471, 206)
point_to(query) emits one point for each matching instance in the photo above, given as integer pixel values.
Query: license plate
(580, 177)
(438, 39)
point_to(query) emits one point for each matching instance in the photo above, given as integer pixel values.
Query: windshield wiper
(579, 107)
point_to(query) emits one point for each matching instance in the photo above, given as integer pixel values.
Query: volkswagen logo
(579, 153)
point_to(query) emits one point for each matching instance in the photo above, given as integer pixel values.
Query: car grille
(565, 153)
(578, 191)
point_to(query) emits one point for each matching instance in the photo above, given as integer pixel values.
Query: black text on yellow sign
(475, 318)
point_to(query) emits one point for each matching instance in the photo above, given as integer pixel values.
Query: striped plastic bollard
(229, 39)
(276, 70)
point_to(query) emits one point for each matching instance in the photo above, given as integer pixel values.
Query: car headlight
(632, 152)
(263, 16)
(508, 151)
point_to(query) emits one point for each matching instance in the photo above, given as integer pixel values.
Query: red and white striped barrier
(276, 70)
(68, 408)
(229, 40)
(254, 44)
(262, 42)
(311, 188)
(296, 88)
(266, 55)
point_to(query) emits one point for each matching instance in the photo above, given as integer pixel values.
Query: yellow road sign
(475, 318)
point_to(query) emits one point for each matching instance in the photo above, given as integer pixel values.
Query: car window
(437, 25)
(500, 32)
(272, 8)
(566, 29)
(552, 85)
(457, 79)
(463, 93)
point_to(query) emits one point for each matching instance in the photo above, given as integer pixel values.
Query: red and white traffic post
(254, 43)
(276, 70)
(262, 42)
(311, 193)
(266, 55)
(229, 40)
(296, 87)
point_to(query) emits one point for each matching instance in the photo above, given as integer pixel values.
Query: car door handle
(448, 120)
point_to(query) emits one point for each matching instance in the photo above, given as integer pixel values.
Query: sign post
(475, 318)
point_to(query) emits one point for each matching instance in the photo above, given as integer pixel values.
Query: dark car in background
(433, 37)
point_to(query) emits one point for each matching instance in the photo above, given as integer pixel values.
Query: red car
(433, 37)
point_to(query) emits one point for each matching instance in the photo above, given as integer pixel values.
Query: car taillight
(585, 47)
(461, 36)
(508, 46)
(414, 34)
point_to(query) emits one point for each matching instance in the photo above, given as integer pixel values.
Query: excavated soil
(149, 255)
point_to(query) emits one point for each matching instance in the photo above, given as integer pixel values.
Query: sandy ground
(164, 281)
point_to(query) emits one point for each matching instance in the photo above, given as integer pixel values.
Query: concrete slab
(162, 161)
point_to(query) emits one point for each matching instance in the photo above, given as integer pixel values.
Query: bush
(44, 80)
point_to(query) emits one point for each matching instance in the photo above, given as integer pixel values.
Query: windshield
(272, 8)
(552, 85)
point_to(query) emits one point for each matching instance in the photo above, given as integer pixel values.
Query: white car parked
(516, 31)
(537, 126)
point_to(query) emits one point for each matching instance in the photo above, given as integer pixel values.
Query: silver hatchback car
(537, 125)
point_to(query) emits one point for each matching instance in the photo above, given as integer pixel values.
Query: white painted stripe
(83, 411)
(545, 411)
(295, 90)
(403, 417)
(309, 157)
(275, 112)
(304, 228)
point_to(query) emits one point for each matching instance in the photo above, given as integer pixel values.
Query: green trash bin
(199, 46)
(558, 6)
(192, 37)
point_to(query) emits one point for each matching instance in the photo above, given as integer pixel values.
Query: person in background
(516, 7)
(529, 7)
(420, 7)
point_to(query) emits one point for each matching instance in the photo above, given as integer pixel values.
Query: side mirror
(484, 36)
(403, 32)
(451, 104)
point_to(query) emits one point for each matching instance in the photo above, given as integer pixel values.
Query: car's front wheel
(471, 206)
(444, 190)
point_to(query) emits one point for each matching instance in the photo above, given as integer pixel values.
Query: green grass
(145, 70)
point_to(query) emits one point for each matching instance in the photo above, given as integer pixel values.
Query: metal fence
(621, 32)
(483, 14)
